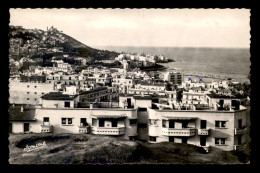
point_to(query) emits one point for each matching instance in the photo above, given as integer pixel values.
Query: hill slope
(37, 43)
(87, 148)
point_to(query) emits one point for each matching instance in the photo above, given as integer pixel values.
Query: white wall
(210, 116)
(55, 116)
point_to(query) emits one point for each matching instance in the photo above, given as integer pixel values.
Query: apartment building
(122, 83)
(28, 92)
(213, 125)
(176, 78)
(97, 95)
(59, 114)
(148, 88)
(220, 121)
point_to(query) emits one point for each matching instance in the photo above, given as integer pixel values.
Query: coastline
(206, 75)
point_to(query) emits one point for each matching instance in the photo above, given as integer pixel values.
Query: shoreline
(216, 76)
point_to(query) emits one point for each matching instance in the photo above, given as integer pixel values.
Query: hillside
(42, 45)
(73, 43)
(87, 148)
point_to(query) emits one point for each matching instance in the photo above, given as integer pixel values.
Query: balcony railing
(108, 130)
(46, 128)
(203, 132)
(84, 129)
(240, 131)
(178, 132)
(240, 147)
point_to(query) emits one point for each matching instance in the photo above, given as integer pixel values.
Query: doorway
(203, 141)
(128, 102)
(114, 122)
(101, 122)
(10, 127)
(171, 124)
(240, 123)
(26, 127)
(171, 139)
(83, 122)
(221, 103)
(203, 124)
(184, 140)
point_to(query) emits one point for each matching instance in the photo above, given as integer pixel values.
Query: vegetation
(87, 148)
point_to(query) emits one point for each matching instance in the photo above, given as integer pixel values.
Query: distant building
(175, 78)
(28, 92)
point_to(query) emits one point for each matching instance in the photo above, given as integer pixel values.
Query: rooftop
(58, 96)
(214, 95)
(15, 114)
(93, 90)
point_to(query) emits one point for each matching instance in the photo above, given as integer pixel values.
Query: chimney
(91, 105)
(21, 108)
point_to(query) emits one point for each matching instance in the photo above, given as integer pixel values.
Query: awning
(108, 116)
(178, 118)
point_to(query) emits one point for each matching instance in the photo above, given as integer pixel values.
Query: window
(83, 121)
(28, 98)
(67, 104)
(35, 93)
(142, 109)
(220, 124)
(220, 141)
(66, 121)
(63, 121)
(163, 123)
(42, 93)
(152, 138)
(35, 86)
(28, 86)
(153, 122)
(46, 119)
(28, 92)
(35, 99)
(133, 121)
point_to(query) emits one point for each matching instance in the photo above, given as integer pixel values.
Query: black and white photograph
(129, 86)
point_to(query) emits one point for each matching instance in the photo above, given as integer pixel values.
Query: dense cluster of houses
(38, 43)
(140, 60)
(158, 106)
(131, 104)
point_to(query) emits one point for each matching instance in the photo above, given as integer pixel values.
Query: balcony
(84, 129)
(203, 132)
(178, 132)
(240, 147)
(46, 128)
(240, 131)
(108, 130)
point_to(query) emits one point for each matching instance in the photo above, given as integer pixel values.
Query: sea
(222, 62)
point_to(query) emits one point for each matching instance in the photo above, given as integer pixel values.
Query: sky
(228, 28)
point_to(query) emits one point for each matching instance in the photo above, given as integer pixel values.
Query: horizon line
(173, 46)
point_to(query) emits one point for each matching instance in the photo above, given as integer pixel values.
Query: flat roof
(225, 96)
(179, 118)
(93, 90)
(58, 96)
(109, 116)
